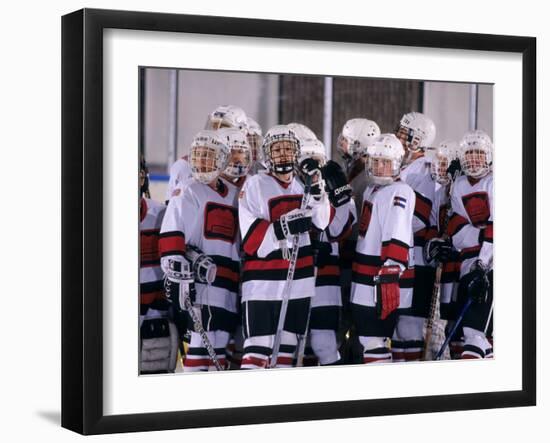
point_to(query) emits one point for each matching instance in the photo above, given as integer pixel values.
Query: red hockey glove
(387, 290)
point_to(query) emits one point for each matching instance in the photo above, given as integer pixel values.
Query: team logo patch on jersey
(366, 214)
(477, 207)
(281, 205)
(399, 201)
(220, 222)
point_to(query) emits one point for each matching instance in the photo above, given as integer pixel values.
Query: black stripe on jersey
(325, 317)
(148, 232)
(226, 262)
(371, 260)
(327, 280)
(475, 350)
(276, 274)
(203, 352)
(226, 283)
(262, 350)
(470, 253)
(151, 286)
(149, 263)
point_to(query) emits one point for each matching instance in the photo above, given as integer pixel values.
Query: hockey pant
(408, 339)
(478, 319)
(260, 320)
(218, 324)
(374, 334)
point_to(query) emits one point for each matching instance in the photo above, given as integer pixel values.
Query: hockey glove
(336, 184)
(439, 250)
(204, 268)
(387, 290)
(159, 346)
(476, 282)
(310, 170)
(454, 169)
(292, 223)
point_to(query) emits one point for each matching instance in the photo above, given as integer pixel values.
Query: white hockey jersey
(417, 176)
(385, 237)
(471, 225)
(327, 282)
(180, 177)
(151, 281)
(206, 219)
(262, 200)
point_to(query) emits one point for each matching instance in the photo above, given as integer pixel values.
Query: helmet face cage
(280, 139)
(384, 160)
(208, 158)
(410, 139)
(475, 154)
(438, 168)
(255, 141)
(239, 160)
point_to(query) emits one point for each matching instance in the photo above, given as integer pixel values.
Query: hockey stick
(288, 283)
(436, 293)
(455, 327)
(197, 323)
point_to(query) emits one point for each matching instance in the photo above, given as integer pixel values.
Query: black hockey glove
(454, 169)
(310, 171)
(292, 223)
(476, 283)
(336, 184)
(439, 250)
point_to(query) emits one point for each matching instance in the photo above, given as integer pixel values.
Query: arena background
(174, 104)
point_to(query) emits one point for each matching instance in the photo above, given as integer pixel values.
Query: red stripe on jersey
(285, 360)
(395, 251)
(266, 265)
(365, 269)
(255, 236)
(430, 233)
(194, 362)
(470, 252)
(150, 297)
(456, 223)
(332, 214)
(254, 361)
(328, 270)
(376, 359)
(407, 274)
(222, 271)
(422, 208)
(172, 243)
(488, 233)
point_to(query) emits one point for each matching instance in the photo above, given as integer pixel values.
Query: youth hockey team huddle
(269, 255)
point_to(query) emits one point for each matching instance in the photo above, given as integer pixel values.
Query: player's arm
(463, 234)
(486, 238)
(342, 219)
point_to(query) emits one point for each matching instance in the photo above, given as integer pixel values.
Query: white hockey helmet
(443, 155)
(475, 153)
(356, 136)
(227, 116)
(302, 132)
(313, 149)
(240, 155)
(208, 156)
(429, 129)
(384, 159)
(255, 138)
(413, 131)
(280, 163)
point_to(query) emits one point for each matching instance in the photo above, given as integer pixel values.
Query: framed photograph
(152, 342)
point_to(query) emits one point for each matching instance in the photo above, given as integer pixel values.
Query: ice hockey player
(471, 230)
(272, 219)
(240, 156)
(383, 267)
(303, 133)
(326, 305)
(356, 136)
(415, 130)
(199, 252)
(255, 140)
(439, 251)
(159, 338)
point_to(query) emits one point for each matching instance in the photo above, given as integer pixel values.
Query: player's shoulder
(400, 187)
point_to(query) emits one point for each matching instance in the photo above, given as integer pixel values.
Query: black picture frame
(82, 187)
